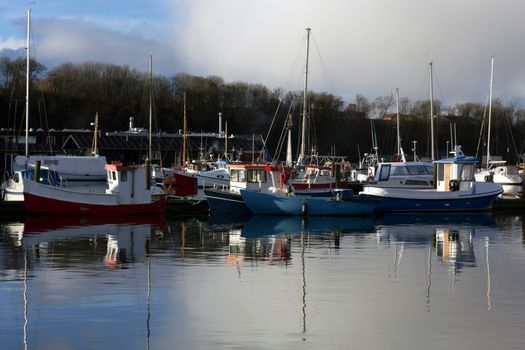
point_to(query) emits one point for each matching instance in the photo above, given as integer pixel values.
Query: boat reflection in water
(450, 239)
(126, 236)
(61, 242)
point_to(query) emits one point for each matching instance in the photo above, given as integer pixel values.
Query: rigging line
(283, 133)
(509, 132)
(439, 87)
(323, 66)
(286, 90)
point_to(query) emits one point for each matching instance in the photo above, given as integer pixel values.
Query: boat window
(124, 176)
(441, 172)
(238, 175)
(256, 176)
(417, 170)
(467, 172)
(385, 172)
(428, 168)
(114, 175)
(16, 178)
(400, 170)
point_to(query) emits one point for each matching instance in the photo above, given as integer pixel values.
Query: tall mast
(184, 133)
(305, 102)
(28, 49)
(150, 102)
(490, 108)
(431, 114)
(398, 133)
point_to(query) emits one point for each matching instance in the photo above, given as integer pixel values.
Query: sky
(367, 47)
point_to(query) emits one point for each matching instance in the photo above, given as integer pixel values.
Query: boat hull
(184, 180)
(226, 202)
(278, 204)
(45, 199)
(405, 200)
(44, 205)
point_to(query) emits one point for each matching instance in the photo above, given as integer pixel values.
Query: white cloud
(11, 43)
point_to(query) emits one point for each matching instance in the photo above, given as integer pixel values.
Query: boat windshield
(467, 172)
(256, 176)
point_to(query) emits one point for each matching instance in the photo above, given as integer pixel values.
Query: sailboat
(71, 170)
(498, 171)
(309, 178)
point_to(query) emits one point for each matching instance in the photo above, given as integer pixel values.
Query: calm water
(396, 282)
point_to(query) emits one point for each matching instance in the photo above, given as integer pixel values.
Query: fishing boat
(456, 190)
(252, 177)
(342, 203)
(128, 191)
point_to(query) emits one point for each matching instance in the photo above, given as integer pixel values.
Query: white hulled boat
(455, 190)
(128, 191)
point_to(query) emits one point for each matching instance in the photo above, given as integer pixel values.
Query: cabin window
(124, 176)
(256, 176)
(441, 172)
(428, 169)
(16, 178)
(418, 170)
(238, 175)
(385, 173)
(400, 170)
(114, 175)
(467, 172)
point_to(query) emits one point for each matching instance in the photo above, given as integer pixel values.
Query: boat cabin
(257, 177)
(457, 173)
(129, 182)
(403, 174)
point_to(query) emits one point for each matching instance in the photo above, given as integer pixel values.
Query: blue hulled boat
(253, 177)
(456, 190)
(343, 203)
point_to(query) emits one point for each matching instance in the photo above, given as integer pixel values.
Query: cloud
(69, 40)
(11, 43)
(366, 46)
(357, 47)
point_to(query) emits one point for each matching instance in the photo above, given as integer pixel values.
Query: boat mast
(398, 134)
(289, 161)
(184, 132)
(28, 50)
(431, 115)
(94, 147)
(305, 102)
(490, 108)
(150, 102)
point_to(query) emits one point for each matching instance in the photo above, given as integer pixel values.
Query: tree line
(69, 95)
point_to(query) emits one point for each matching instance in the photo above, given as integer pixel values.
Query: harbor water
(388, 282)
